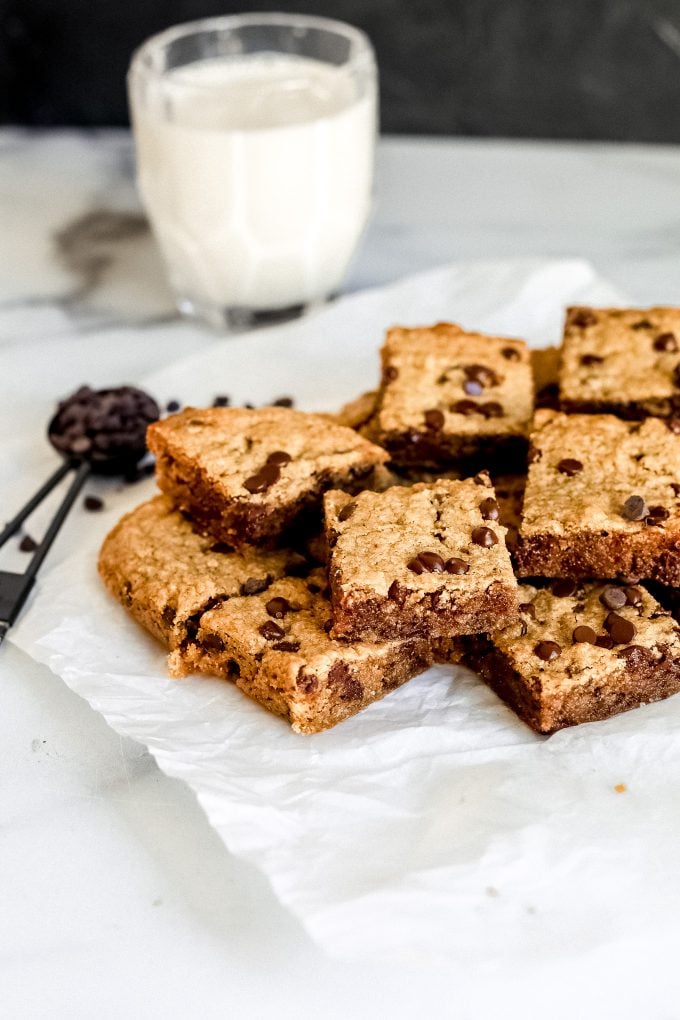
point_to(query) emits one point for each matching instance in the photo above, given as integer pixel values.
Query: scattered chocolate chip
(271, 631)
(464, 407)
(277, 607)
(492, 409)
(528, 609)
(283, 402)
(456, 566)
(28, 544)
(286, 646)
(613, 598)
(168, 616)
(307, 682)
(633, 596)
(484, 537)
(591, 359)
(604, 641)
(642, 324)
(279, 457)
(93, 503)
(221, 401)
(564, 587)
(472, 387)
(511, 353)
(620, 630)
(482, 374)
(397, 593)
(434, 419)
(666, 342)
(634, 509)
(347, 510)
(213, 642)
(432, 562)
(489, 509)
(263, 479)
(255, 585)
(547, 650)
(584, 635)
(482, 478)
(172, 406)
(582, 317)
(391, 373)
(416, 566)
(570, 467)
(659, 512)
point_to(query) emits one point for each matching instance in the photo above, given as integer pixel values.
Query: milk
(256, 173)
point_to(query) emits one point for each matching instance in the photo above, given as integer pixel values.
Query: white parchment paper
(434, 824)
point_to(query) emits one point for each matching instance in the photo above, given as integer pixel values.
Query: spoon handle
(12, 526)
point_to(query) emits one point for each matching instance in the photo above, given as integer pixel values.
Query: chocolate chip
(432, 562)
(564, 587)
(271, 631)
(642, 324)
(591, 359)
(456, 566)
(28, 544)
(482, 374)
(416, 566)
(255, 585)
(263, 479)
(279, 457)
(465, 407)
(434, 419)
(489, 509)
(172, 406)
(391, 373)
(528, 609)
(287, 646)
(283, 402)
(666, 342)
(613, 598)
(307, 682)
(570, 467)
(584, 635)
(340, 676)
(633, 597)
(547, 650)
(511, 353)
(472, 387)
(347, 510)
(620, 630)
(492, 409)
(213, 642)
(659, 513)
(277, 607)
(221, 547)
(604, 641)
(93, 503)
(484, 537)
(582, 317)
(168, 616)
(397, 593)
(328, 626)
(221, 401)
(634, 509)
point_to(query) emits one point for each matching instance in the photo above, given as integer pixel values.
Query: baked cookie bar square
(602, 499)
(448, 394)
(245, 476)
(580, 651)
(625, 361)
(428, 560)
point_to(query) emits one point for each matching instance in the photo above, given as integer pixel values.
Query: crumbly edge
(650, 555)
(468, 453)
(629, 410)
(641, 679)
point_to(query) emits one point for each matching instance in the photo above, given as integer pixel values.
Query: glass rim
(141, 60)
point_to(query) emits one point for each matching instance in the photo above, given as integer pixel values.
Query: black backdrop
(606, 69)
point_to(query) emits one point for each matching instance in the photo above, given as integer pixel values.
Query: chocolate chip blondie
(580, 652)
(602, 499)
(426, 560)
(448, 394)
(622, 360)
(277, 649)
(245, 476)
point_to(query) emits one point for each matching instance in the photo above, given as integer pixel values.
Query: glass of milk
(255, 141)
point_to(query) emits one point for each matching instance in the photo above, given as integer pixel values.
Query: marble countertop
(118, 898)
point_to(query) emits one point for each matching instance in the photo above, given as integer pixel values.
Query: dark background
(602, 69)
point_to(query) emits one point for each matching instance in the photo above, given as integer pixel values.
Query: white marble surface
(117, 897)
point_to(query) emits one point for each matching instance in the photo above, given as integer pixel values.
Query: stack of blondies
(515, 511)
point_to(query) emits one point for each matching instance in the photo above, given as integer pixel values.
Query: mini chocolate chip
(511, 353)
(279, 457)
(277, 607)
(286, 646)
(591, 359)
(489, 509)
(582, 317)
(472, 387)
(397, 593)
(432, 562)
(28, 544)
(307, 682)
(283, 402)
(255, 585)
(271, 631)
(634, 509)
(564, 587)
(642, 324)
(547, 650)
(659, 512)
(434, 419)
(416, 566)
(456, 566)
(492, 409)
(391, 373)
(172, 406)
(263, 479)
(613, 598)
(570, 467)
(93, 503)
(584, 635)
(482, 374)
(347, 510)
(633, 596)
(528, 609)
(484, 537)
(213, 642)
(464, 407)
(604, 641)
(666, 342)
(620, 630)
(221, 401)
